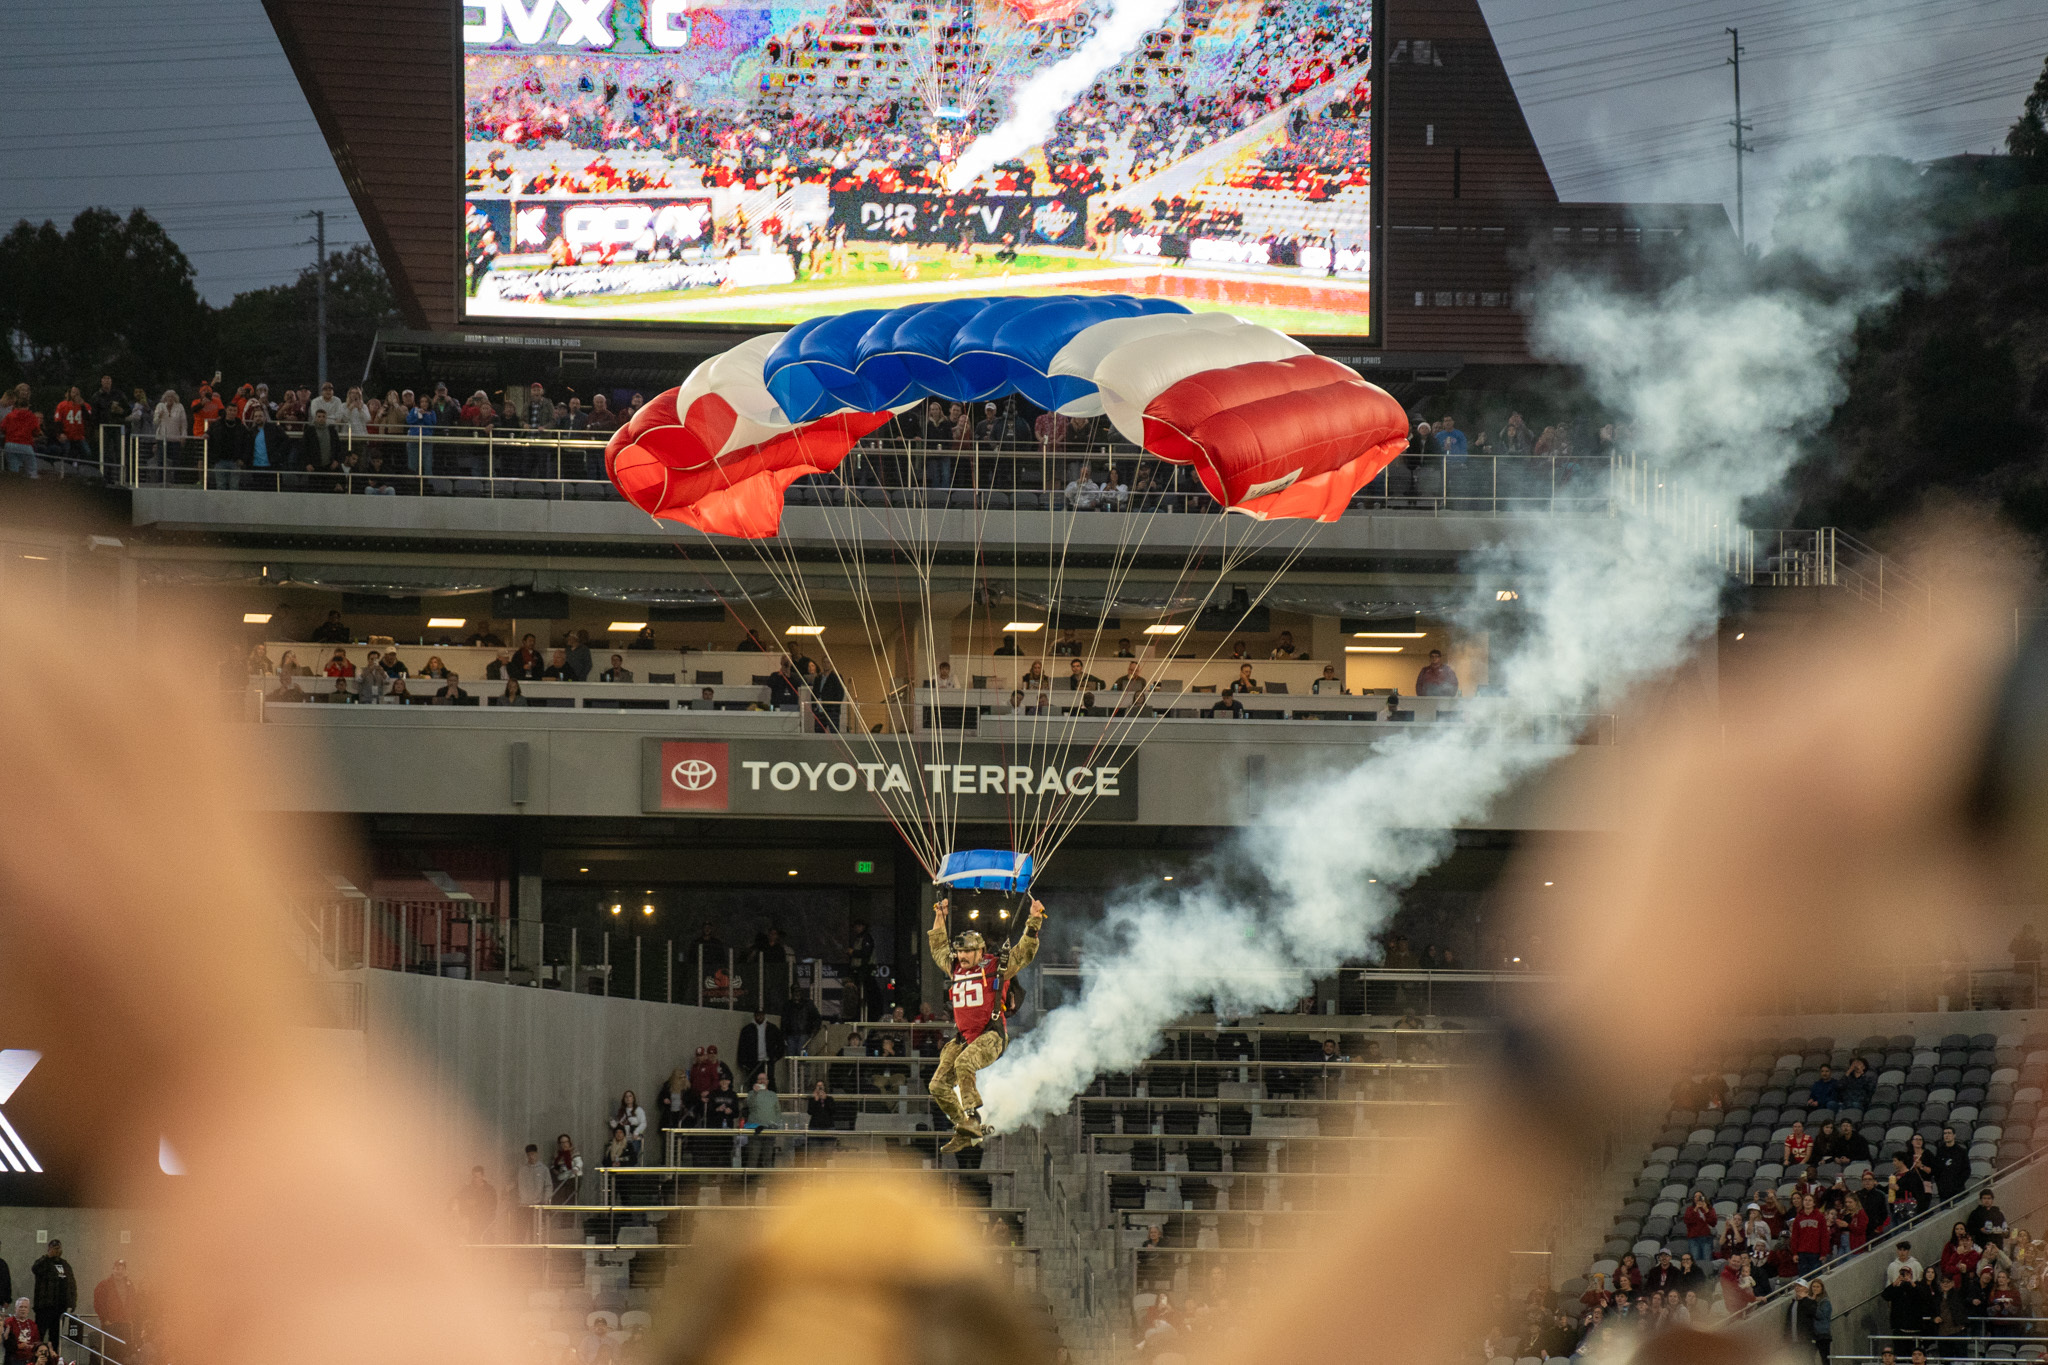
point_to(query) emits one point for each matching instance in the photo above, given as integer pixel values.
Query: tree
(272, 334)
(108, 295)
(2028, 136)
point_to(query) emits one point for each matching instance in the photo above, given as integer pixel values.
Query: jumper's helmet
(970, 942)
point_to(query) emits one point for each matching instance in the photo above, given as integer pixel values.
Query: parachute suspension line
(1079, 808)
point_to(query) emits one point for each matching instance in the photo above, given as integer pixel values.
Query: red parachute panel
(1294, 438)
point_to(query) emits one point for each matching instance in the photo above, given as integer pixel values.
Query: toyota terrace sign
(980, 780)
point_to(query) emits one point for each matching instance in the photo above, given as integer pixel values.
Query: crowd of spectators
(120, 1324)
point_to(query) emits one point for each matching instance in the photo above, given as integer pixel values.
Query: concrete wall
(510, 1065)
(458, 761)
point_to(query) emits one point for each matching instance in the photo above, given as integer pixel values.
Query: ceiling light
(617, 908)
(1025, 627)
(1373, 879)
(792, 872)
(1740, 633)
(447, 622)
(255, 618)
(1164, 630)
(621, 627)
(647, 909)
(1507, 595)
(974, 914)
(1167, 879)
(1388, 634)
(35, 556)
(805, 630)
(1550, 883)
(583, 869)
(1372, 649)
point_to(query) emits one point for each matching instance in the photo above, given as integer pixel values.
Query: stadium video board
(723, 162)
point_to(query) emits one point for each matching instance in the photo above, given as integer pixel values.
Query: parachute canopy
(985, 869)
(1270, 429)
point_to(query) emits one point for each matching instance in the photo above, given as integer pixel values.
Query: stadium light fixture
(44, 557)
(647, 909)
(1025, 627)
(792, 872)
(1164, 630)
(1507, 595)
(1740, 633)
(1388, 634)
(616, 909)
(256, 618)
(447, 622)
(1373, 649)
(621, 627)
(583, 869)
(805, 630)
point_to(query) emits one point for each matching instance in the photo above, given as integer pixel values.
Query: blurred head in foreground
(893, 1276)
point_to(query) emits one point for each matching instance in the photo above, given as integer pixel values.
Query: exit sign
(863, 866)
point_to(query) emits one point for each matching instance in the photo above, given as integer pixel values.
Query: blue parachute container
(986, 869)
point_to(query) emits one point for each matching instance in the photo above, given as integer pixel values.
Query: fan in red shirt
(1798, 1146)
(340, 667)
(21, 425)
(21, 1332)
(72, 415)
(1808, 1238)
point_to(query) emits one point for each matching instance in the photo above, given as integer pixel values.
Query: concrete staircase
(1078, 1274)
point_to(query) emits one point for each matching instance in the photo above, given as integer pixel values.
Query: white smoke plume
(1036, 105)
(1720, 374)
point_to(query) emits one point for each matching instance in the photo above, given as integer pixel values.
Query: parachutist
(978, 996)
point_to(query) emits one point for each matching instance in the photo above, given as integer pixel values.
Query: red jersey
(22, 1336)
(71, 417)
(1809, 1234)
(1798, 1149)
(977, 997)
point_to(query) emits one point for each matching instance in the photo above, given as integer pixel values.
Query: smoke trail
(1721, 374)
(1037, 103)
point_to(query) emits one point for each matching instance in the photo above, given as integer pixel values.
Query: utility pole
(319, 245)
(1741, 146)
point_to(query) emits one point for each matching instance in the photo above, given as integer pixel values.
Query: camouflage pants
(957, 1064)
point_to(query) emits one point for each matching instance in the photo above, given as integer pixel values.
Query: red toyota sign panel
(694, 775)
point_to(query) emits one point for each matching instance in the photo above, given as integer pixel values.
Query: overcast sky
(188, 108)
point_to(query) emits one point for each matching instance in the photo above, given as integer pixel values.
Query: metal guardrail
(879, 472)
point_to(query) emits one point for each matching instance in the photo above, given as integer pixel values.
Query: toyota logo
(693, 774)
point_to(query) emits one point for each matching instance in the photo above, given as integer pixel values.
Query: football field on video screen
(652, 161)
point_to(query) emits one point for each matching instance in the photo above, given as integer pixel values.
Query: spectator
(20, 428)
(1008, 648)
(1857, 1085)
(1987, 1221)
(526, 661)
(1078, 680)
(618, 672)
(1844, 1145)
(287, 690)
(168, 426)
(1515, 438)
(1951, 1163)
(434, 668)
(113, 1303)
(477, 1203)
(632, 1120)
(1960, 1254)
(1285, 649)
(675, 1100)
(371, 684)
(1662, 1275)
(722, 1105)
(21, 1334)
(945, 678)
(1227, 707)
(1699, 1219)
(531, 1179)
(1083, 493)
(824, 1110)
(1738, 1283)
(1903, 1259)
(451, 692)
(511, 696)
(1449, 440)
(485, 638)
(760, 1045)
(500, 668)
(706, 1071)
(1034, 679)
(579, 656)
(1329, 685)
(558, 667)
(106, 406)
(1245, 682)
(1798, 1145)
(259, 665)
(327, 407)
(56, 1289)
(764, 1106)
(1068, 646)
(1239, 651)
(1826, 1092)
(71, 416)
(644, 640)
(1132, 680)
(566, 1171)
(1017, 707)
(1437, 678)
(1807, 1236)
(331, 631)
(707, 700)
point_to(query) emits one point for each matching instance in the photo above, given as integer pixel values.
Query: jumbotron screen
(671, 161)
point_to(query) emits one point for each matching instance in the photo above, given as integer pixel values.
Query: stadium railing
(879, 472)
(82, 1341)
